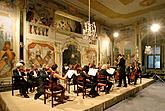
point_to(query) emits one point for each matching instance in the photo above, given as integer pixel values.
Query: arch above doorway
(71, 41)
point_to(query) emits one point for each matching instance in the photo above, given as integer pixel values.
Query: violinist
(20, 81)
(33, 77)
(90, 82)
(56, 85)
(43, 80)
(105, 73)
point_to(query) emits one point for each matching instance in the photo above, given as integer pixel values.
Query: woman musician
(135, 73)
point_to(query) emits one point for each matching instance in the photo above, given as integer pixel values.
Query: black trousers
(122, 77)
(92, 86)
(23, 86)
(40, 91)
(136, 78)
(128, 77)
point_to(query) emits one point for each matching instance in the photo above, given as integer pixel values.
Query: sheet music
(70, 73)
(111, 71)
(92, 72)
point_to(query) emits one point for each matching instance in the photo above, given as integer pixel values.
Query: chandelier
(89, 30)
(148, 50)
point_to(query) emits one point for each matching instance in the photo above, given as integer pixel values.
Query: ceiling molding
(112, 14)
(126, 2)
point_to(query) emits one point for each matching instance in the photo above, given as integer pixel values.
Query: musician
(43, 80)
(21, 82)
(33, 77)
(72, 73)
(128, 72)
(57, 86)
(90, 82)
(136, 72)
(122, 73)
(105, 73)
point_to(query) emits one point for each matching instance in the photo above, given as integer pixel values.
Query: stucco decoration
(126, 2)
(147, 2)
(71, 41)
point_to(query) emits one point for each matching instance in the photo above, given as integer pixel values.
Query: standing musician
(122, 73)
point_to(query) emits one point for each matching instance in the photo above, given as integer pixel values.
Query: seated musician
(136, 72)
(33, 77)
(128, 72)
(20, 82)
(43, 80)
(90, 82)
(105, 73)
(72, 73)
(57, 86)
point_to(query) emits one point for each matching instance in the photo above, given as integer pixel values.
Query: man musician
(122, 73)
(20, 79)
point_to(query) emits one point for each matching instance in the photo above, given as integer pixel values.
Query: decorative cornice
(112, 14)
(126, 2)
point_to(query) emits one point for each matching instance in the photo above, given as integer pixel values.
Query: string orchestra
(102, 77)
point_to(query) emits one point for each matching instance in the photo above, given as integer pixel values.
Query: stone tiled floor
(75, 103)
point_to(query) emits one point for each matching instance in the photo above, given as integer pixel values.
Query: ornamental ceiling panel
(118, 11)
(126, 2)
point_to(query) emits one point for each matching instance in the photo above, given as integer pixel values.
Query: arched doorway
(71, 55)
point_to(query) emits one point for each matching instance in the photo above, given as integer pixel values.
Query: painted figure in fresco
(48, 57)
(1, 37)
(7, 57)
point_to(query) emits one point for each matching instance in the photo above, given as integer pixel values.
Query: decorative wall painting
(66, 24)
(40, 18)
(91, 56)
(40, 53)
(7, 56)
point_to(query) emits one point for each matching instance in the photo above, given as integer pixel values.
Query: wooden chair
(102, 81)
(81, 85)
(53, 94)
(70, 83)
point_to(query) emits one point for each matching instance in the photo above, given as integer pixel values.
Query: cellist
(135, 73)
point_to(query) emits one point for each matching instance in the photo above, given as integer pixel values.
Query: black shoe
(26, 96)
(118, 86)
(107, 92)
(66, 97)
(125, 86)
(102, 90)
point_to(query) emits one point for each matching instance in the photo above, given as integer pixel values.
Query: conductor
(122, 73)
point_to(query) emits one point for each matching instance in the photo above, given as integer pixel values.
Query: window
(153, 60)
